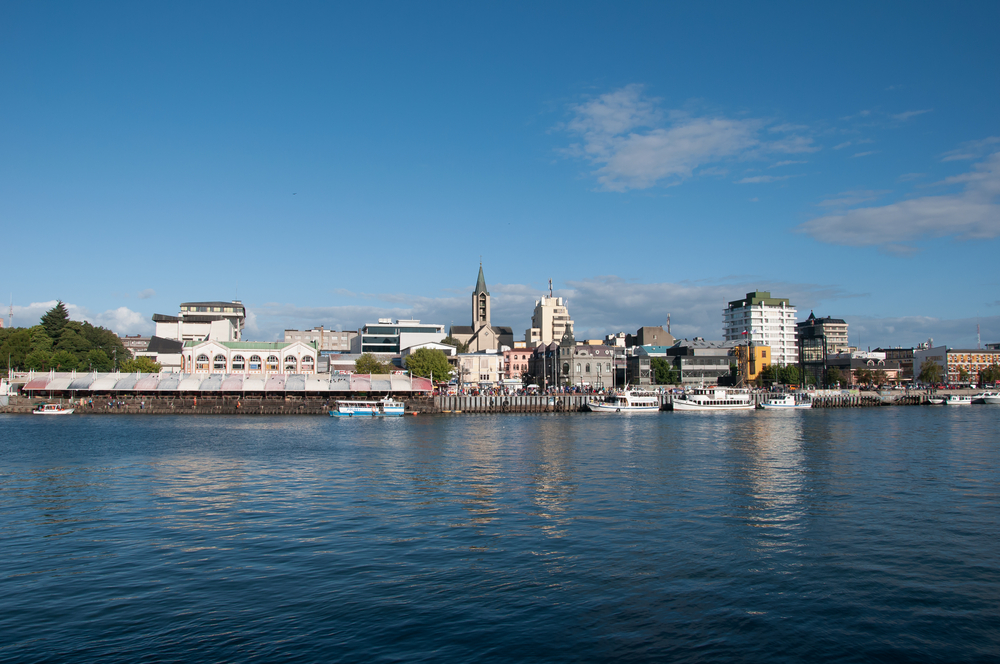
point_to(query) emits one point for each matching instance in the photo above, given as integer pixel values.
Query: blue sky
(338, 163)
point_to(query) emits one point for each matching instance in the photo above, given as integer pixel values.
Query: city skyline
(333, 165)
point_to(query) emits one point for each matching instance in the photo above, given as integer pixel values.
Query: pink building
(515, 362)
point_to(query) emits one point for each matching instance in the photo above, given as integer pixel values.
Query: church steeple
(480, 303)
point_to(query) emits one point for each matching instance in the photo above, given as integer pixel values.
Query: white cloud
(908, 331)
(787, 162)
(972, 149)
(972, 214)
(121, 320)
(758, 179)
(865, 154)
(842, 145)
(906, 177)
(903, 117)
(636, 146)
(855, 197)
(146, 294)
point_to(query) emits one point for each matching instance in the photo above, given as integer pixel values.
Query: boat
(626, 401)
(987, 397)
(386, 407)
(713, 398)
(784, 402)
(957, 400)
(935, 401)
(52, 409)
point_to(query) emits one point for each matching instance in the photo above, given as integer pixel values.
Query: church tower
(480, 303)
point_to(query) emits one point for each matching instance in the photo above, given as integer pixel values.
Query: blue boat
(386, 407)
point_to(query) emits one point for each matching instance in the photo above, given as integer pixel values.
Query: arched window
(219, 363)
(255, 363)
(588, 367)
(238, 363)
(272, 363)
(608, 366)
(308, 364)
(598, 367)
(578, 368)
(201, 363)
(565, 367)
(291, 364)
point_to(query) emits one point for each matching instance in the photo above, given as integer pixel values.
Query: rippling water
(849, 535)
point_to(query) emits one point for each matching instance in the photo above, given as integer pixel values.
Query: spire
(481, 282)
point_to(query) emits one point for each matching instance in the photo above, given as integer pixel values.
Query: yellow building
(752, 363)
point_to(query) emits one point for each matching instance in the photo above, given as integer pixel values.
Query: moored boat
(627, 401)
(957, 400)
(987, 397)
(386, 407)
(713, 398)
(52, 409)
(784, 402)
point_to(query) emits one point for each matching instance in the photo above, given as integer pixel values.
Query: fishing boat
(386, 407)
(957, 400)
(52, 409)
(713, 398)
(626, 401)
(784, 402)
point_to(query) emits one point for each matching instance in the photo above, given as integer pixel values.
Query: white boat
(52, 409)
(784, 402)
(957, 400)
(386, 407)
(935, 401)
(987, 397)
(627, 401)
(713, 398)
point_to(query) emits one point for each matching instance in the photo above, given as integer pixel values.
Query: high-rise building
(549, 321)
(834, 329)
(763, 320)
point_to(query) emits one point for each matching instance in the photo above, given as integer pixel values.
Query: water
(849, 535)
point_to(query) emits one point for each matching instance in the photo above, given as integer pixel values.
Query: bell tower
(480, 303)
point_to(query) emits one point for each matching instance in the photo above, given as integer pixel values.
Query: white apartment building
(764, 321)
(198, 321)
(549, 322)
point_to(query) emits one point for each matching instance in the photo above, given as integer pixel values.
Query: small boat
(627, 401)
(935, 401)
(784, 402)
(386, 407)
(957, 400)
(987, 397)
(713, 398)
(52, 409)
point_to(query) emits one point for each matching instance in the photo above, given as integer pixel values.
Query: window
(566, 367)
(291, 364)
(238, 363)
(201, 363)
(255, 363)
(272, 363)
(588, 367)
(307, 364)
(578, 368)
(608, 366)
(219, 363)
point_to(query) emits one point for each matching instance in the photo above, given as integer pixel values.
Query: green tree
(55, 320)
(789, 375)
(71, 341)
(369, 364)
(139, 364)
(38, 360)
(98, 360)
(880, 377)
(768, 375)
(833, 376)
(930, 372)
(39, 339)
(663, 371)
(63, 360)
(105, 340)
(452, 341)
(963, 375)
(990, 374)
(427, 362)
(15, 344)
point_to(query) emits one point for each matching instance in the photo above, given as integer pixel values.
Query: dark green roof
(481, 283)
(759, 297)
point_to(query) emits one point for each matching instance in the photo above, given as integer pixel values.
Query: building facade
(964, 364)
(135, 345)
(516, 362)
(198, 321)
(586, 366)
(479, 370)
(326, 340)
(247, 357)
(702, 362)
(392, 338)
(765, 320)
(549, 321)
(649, 336)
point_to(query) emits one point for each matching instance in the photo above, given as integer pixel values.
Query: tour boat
(52, 409)
(784, 402)
(627, 401)
(713, 398)
(386, 407)
(987, 397)
(957, 400)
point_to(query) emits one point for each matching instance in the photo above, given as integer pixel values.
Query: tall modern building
(834, 329)
(549, 321)
(764, 321)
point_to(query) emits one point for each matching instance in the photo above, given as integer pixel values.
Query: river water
(849, 535)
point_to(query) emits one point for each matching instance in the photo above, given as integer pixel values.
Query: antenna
(979, 339)
(10, 315)
(668, 322)
(550, 288)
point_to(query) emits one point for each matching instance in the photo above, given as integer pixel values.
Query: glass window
(219, 363)
(291, 364)
(588, 368)
(201, 363)
(238, 363)
(272, 363)
(578, 368)
(255, 363)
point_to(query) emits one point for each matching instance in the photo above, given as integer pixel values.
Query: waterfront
(852, 535)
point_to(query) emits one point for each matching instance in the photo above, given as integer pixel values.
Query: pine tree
(55, 320)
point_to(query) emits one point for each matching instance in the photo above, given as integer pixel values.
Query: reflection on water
(723, 536)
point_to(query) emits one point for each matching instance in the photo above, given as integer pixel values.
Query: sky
(334, 163)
